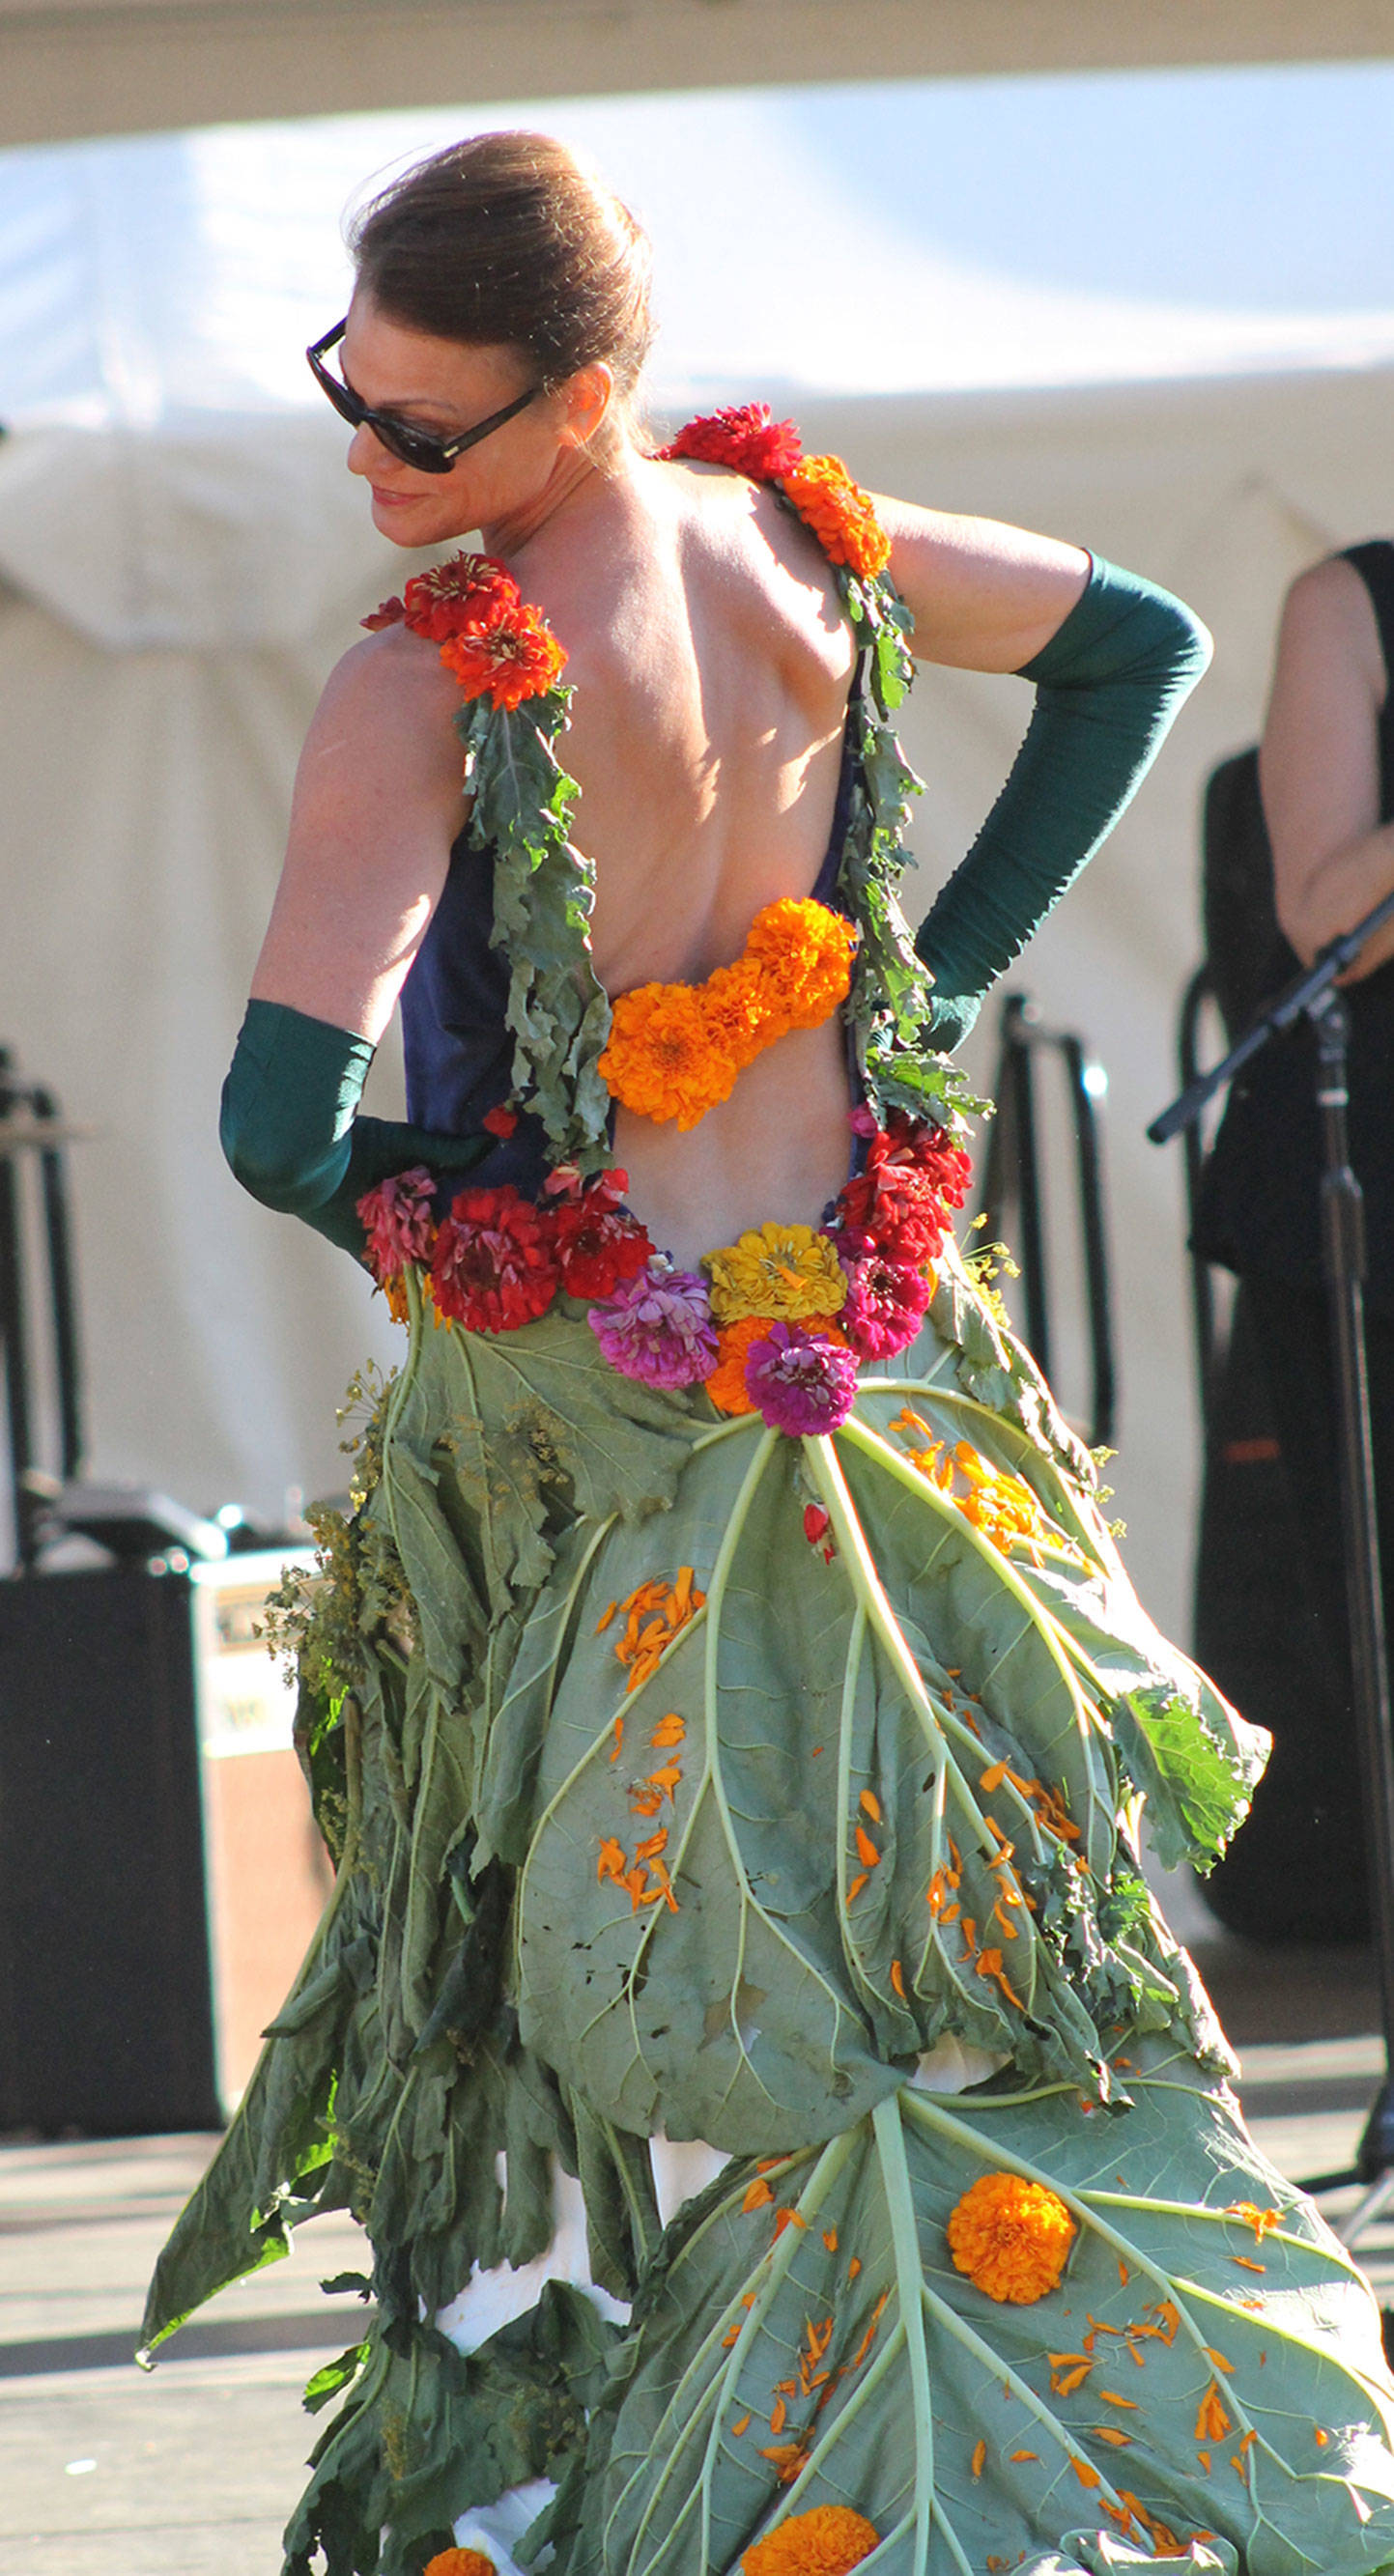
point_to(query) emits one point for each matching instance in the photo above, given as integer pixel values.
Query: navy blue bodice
(459, 1049)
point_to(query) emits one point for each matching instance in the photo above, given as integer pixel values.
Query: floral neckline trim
(777, 1322)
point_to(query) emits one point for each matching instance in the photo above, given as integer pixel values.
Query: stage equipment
(1314, 993)
(1012, 1190)
(160, 1875)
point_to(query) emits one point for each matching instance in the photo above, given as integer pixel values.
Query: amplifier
(159, 1871)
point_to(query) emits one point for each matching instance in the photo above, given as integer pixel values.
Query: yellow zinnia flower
(783, 1271)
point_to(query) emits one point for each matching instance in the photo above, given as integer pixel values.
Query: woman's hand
(377, 803)
(984, 597)
(1319, 766)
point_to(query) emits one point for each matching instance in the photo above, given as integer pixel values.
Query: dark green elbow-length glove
(290, 1128)
(1107, 687)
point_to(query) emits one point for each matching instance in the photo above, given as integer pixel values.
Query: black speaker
(106, 2021)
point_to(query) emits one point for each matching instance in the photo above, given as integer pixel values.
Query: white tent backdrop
(184, 558)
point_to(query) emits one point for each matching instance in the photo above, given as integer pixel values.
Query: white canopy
(185, 557)
(77, 67)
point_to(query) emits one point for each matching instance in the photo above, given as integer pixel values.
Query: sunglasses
(401, 438)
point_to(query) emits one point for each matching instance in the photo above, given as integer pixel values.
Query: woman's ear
(588, 396)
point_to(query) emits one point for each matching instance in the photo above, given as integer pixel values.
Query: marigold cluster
(1011, 2238)
(827, 2541)
(488, 638)
(839, 513)
(675, 1050)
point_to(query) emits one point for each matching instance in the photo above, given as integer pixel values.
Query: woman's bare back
(711, 674)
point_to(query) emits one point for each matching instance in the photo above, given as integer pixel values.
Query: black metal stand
(1012, 1184)
(31, 1130)
(1343, 1250)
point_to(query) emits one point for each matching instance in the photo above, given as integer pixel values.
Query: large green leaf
(807, 2340)
(830, 1795)
(1179, 1740)
(427, 2432)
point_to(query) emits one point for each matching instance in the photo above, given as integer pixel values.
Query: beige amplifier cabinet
(266, 1871)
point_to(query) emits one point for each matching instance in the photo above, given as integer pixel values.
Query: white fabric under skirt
(492, 2299)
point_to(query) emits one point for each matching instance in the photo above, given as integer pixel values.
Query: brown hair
(508, 240)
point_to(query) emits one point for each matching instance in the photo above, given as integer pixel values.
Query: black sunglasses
(401, 438)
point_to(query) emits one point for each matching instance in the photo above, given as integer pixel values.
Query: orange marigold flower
(517, 658)
(675, 1049)
(839, 513)
(827, 2541)
(726, 1385)
(662, 1059)
(804, 956)
(1011, 2237)
(461, 2562)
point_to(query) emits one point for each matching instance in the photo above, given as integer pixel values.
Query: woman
(1326, 771)
(725, 1704)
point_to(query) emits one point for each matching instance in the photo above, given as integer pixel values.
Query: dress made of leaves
(728, 1715)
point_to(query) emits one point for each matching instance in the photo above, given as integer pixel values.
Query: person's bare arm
(1319, 766)
(984, 596)
(377, 804)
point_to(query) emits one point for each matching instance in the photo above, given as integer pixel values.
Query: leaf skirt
(686, 1778)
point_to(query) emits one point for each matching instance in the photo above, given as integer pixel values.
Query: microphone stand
(1313, 994)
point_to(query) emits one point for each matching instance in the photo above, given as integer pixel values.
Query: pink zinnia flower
(658, 1327)
(886, 1301)
(399, 1221)
(802, 1382)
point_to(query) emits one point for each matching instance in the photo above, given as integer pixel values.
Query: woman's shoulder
(1330, 623)
(386, 707)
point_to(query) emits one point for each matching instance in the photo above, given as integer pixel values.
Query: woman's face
(446, 386)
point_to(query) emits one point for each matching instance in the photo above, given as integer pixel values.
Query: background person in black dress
(1326, 771)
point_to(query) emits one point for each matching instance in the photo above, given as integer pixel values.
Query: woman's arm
(376, 806)
(1319, 766)
(377, 803)
(984, 597)
(1112, 658)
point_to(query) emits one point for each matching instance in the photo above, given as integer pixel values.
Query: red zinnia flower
(495, 1263)
(741, 435)
(461, 597)
(893, 1210)
(929, 1149)
(469, 592)
(599, 1243)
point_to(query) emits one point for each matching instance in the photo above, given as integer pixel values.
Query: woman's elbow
(273, 1169)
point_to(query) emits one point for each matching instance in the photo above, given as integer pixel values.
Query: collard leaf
(1178, 1738)
(802, 1851)
(427, 2432)
(808, 2340)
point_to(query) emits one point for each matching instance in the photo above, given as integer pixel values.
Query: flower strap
(889, 1008)
(508, 664)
